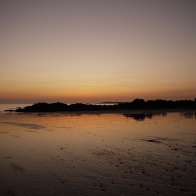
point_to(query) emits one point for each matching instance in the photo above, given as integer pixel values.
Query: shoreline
(128, 111)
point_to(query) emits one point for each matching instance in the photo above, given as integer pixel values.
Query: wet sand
(98, 154)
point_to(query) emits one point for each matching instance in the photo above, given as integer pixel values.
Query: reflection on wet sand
(189, 114)
(25, 125)
(104, 154)
(143, 116)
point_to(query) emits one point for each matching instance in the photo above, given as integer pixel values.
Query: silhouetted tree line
(140, 104)
(158, 104)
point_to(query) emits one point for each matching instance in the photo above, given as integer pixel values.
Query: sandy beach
(97, 154)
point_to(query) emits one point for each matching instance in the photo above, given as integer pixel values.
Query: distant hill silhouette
(137, 104)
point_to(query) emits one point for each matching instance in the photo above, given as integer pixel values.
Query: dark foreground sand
(107, 154)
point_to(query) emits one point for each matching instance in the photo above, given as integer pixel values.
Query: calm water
(91, 154)
(4, 107)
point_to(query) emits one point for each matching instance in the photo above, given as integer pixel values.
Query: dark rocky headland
(137, 104)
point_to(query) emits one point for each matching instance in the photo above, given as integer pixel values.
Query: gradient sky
(97, 50)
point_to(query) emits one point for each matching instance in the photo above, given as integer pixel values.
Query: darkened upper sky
(97, 50)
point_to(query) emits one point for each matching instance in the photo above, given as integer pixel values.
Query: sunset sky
(97, 50)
